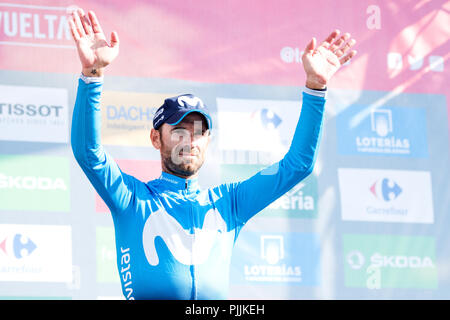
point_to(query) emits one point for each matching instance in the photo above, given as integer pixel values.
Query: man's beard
(180, 166)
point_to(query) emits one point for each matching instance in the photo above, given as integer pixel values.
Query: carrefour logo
(272, 258)
(389, 261)
(386, 195)
(268, 118)
(269, 124)
(21, 246)
(386, 189)
(32, 253)
(388, 131)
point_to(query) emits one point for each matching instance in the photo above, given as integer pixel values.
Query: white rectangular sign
(36, 114)
(386, 195)
(257, 125)
(35, 253)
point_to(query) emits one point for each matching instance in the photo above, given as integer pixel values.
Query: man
(173, 239)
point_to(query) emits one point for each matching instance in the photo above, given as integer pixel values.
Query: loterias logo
(388, 131)
(299, 202)
(127, 117)
(35, 183)
(33, 114)
(386, 195)
(387, 261)
(289, 258)
(35, 253)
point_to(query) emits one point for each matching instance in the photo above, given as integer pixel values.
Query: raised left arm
(320, 64)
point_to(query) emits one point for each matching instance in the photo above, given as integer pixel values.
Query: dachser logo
(127, 117)
(34, 26)
(42, 181)
(33, 114)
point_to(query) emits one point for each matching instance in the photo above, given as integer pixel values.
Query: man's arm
(113, 186)
(95, 54)
(320, 63)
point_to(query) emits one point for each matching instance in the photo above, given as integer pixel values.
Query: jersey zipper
(192, 266)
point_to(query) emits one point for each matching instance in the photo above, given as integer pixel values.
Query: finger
(114, 39)
(85, 22)
(73, 30)
(78, 25)
(339, 42)
(311, 45)
(348, 45)
(94, 22)
(347, 57)
(332, 36)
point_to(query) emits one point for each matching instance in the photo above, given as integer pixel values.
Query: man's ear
(155, 137)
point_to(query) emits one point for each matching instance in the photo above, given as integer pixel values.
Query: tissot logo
(33, 114)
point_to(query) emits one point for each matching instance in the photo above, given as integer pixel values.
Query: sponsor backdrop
(370, 222)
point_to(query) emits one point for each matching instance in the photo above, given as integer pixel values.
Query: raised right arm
(114, 187)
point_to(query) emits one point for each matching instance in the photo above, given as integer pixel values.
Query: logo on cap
(190, 101)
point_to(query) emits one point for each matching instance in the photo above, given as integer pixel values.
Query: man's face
(183, 146)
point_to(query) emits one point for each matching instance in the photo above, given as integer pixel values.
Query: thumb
(311, 45)
(114, 39)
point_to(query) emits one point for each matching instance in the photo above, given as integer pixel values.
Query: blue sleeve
(257, 192)
(113, 186)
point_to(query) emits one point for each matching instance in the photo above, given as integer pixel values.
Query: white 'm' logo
(187, 248)
(194, 101)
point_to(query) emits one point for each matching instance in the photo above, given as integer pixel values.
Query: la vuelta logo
(36, 26)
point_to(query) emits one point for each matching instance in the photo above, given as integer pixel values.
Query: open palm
(321, 62)
(94, 51)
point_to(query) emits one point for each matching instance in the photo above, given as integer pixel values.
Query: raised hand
(94, 51)
(321, 62)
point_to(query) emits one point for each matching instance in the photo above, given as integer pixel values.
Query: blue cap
(176, 108)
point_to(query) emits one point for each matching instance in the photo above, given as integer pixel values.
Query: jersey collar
(177, 183)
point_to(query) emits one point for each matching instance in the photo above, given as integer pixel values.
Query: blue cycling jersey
(173, 239)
